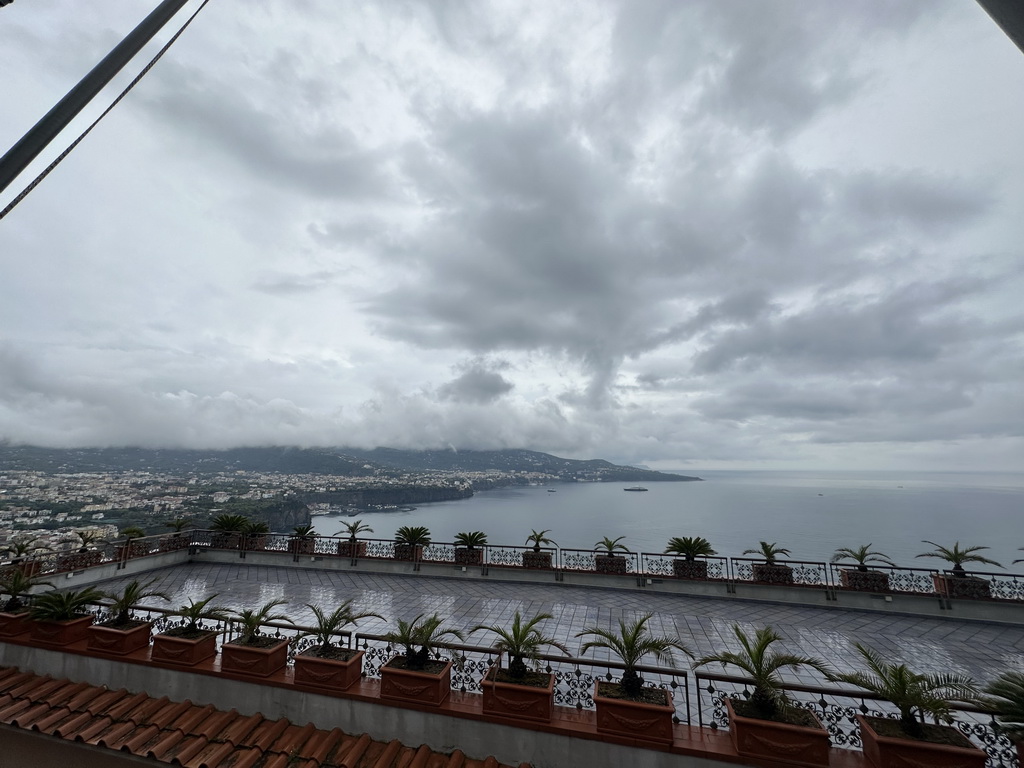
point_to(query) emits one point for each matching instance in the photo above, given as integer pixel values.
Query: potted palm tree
(353, 547)
(410, 541)
(466, 547)
(1006, 698)
(228, 530)
(22, 550)
(253, 653)
(191, 642)
(607, 561)
(59, 618)
(303, 540)
(122, 634)
(538, 558)
(14, 614)
(518, 691)
(956, 582)
(328, 666)
(86, 555)
(414, 676)
(129, 548)
(175, 540)
(862, 578)
(909, 740)
(767, 725)
(690, 548)
(627, 708)
(256, 532)
(770, 571)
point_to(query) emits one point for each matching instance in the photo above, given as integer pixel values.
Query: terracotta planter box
(14, 624)
(252, 660)
(864, 581)
(118, 641)
(521, 702)
(345, 549)
(225, 541)
(28, 567)
(328, 674)
(256, 543)
(773, 574)
(690, 569)
(132, 550)
(963, 587)
(183, 651)
(58, 633)
(466, 556)
(173, 543)
(536, 560)
(416, 687)
(634, 719)
(887, 752)
(609, 564)
(302, 546)
(76, 561)
(778, 743)
(408, 552)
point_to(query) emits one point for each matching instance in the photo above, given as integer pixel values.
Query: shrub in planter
(466, 547)
(908, 741)
(175, 541)
(1006, 698)
(627, 708)
(770, 571)
(122, 634)
(303, 540)
(327, 666)
(59, 618)
(228, 530)
(956, 583)
(253, 653)
(353, 547)
(128, 548)
(518, 691)
(767, 725)
(410, 541)
(690, 548)
(862, 578)
(14, 613)
(21, 550)
(414, 676)
(190, 643)
(607, 561)
(538, 558)
(86, 556)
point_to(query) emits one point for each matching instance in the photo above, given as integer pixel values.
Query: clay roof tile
(169, 713)
(72, 725)
(18, 683)
(215, 723)
(67, 692)
(141, 739)
(117, 734)
(243, 726)
(165, 745)
(268, 732)
(9, 714)
(188, 748)
(323, 743)
(213, 755)
(292, 738)
(192, 717)
(28, 717)
(127, 706)
(51, 718)
(104, 700)
(92, 731)
(349, 755)
(146, 712)
(387, 757)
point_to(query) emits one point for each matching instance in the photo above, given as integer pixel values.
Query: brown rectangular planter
(609, 564)
(413, 686)
(183, 651)
(346, 549)
(173, 543)
(328, 674)
(536, 560)
(408, 552)
(225, 541)
(118, 641)
(963, 587)
(520, 702)
(302, 546)
(466, 556)
(634, 719)
(253, 660)
(864, 581)
(76, 561)
(778, 743)
(134, 549)
(690, 569)
(887, 752)
(58, 633)
(14, 624)
(772, 574)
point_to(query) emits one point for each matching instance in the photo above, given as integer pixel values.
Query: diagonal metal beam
(1008, 14)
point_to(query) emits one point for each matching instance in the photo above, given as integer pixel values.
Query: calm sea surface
(809, 513)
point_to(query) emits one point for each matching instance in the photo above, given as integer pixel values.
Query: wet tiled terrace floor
(703, 624)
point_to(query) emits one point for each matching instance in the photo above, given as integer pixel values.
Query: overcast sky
(690, 234)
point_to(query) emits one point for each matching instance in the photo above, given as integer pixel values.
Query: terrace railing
(672, 566)
(803, 573)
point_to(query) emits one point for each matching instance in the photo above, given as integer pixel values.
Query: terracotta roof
(193, 736)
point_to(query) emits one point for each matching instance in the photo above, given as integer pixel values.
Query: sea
(810, 513)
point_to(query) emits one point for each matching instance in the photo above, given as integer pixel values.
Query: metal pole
(42, 133)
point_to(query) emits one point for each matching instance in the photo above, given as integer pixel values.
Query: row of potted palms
(627, 707)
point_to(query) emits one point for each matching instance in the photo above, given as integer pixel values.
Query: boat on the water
(635, 488)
